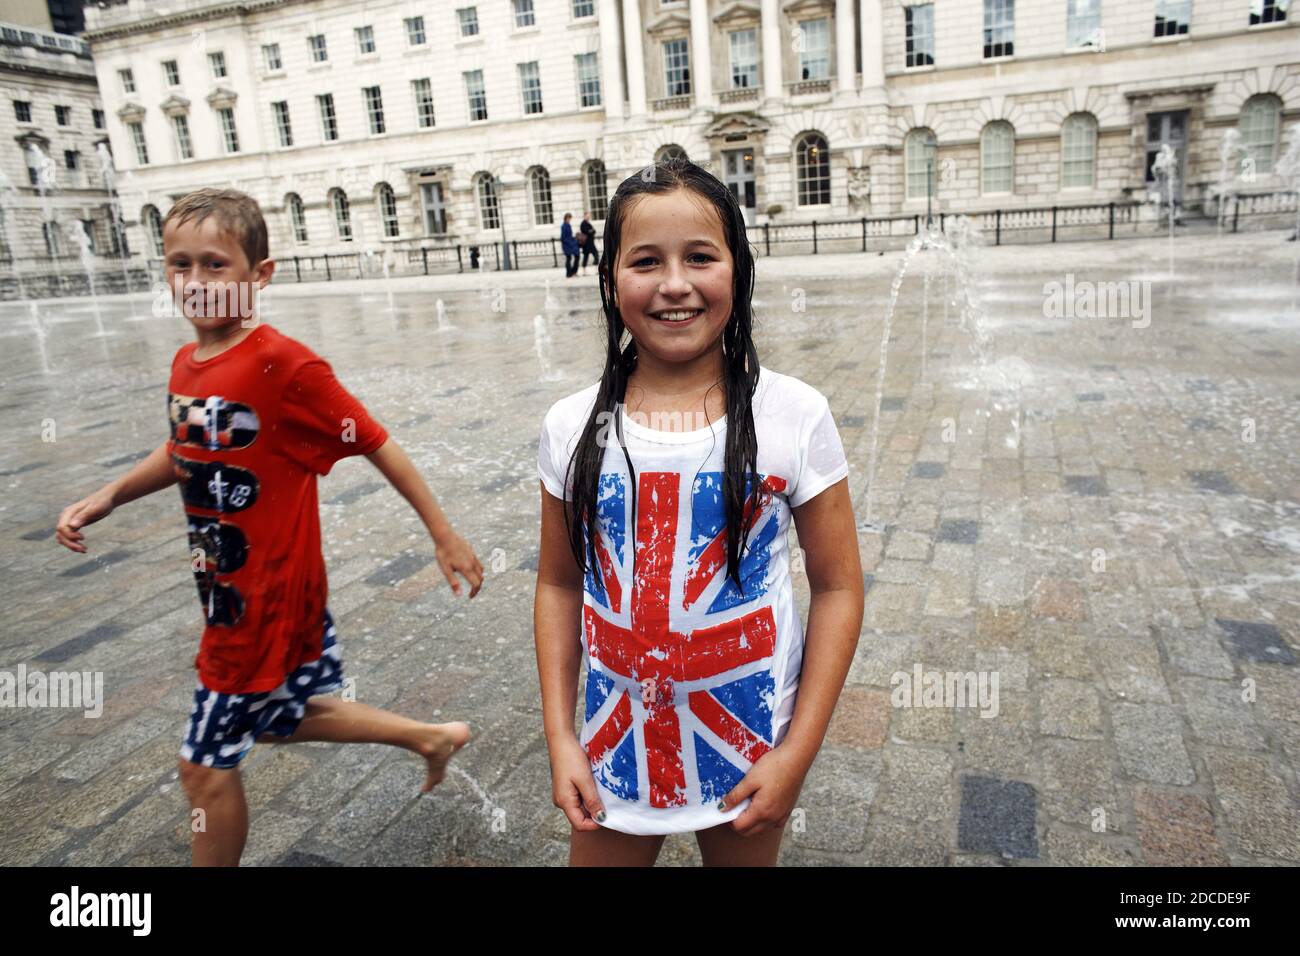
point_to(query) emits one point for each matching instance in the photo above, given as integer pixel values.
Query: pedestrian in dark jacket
(588, 239)
(570, 246)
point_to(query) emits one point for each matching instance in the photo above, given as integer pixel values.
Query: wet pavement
(1100, 505)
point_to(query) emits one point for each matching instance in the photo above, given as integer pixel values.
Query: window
(744, 59)
(271, 57)
(999, 27)
(468, 19)
(33, 156)
(137, 140)
(1082, 23)
(677, 67)
(283, 129)
(388, 211)
(1173, 17)
(1268, 11)
(218, 63)
(814, 56)
(477, 97)
(813, 169)
(53, 239)
(316, 44)
(63, 115)
(153, 223)
(329, 123)
(997, 157)
(530, 87)
(597, 190)
(23, 111)
(342, 215)
(414, 31)
(97, 117)
(1259, 123)
(584, 8)
(1078, 151)
(539, 185)
(365, 40)
(488, 210)
(920, 35)
(181, 130)
(588, 71)
(423, 91)
(228, 134)
(127, 79)
(72, 159)
(297, 217)
(374, 108)
(919, 153)
(524, 16)
(171, 73)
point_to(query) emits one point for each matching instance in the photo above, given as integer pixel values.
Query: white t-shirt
(689, 680)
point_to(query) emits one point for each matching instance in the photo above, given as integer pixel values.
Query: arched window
(920, 156)
(297, 217)
(152, 220)
(597, 189)
(997, 157)
(1259, 123)
(388, 210)
(539, 185)
(671, 151)
(489, 212)
(813, 170)
(1079, 151)
(342, 215)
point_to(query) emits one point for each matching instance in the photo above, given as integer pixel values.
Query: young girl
(681, 603)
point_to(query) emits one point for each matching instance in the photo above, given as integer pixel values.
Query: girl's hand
(773, 782)
(455, 556)
(573, 788)
(86, 511)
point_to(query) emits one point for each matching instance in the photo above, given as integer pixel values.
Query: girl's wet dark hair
(740, 368)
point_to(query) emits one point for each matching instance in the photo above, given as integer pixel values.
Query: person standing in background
(588, 240)
(570, 246)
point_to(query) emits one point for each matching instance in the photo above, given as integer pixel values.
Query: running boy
(255, 416)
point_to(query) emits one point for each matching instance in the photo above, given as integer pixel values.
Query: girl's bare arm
(557, 629)
(828, 535)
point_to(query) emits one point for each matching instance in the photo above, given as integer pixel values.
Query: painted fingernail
(600, 817)
(722, 804)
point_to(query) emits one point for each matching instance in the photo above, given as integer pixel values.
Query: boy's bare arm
(152, 474)
(454, 554)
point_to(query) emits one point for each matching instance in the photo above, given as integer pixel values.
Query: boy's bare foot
(440, 743)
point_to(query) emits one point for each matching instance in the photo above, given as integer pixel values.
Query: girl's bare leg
(344, 721)
(605, 847)
(723, 846)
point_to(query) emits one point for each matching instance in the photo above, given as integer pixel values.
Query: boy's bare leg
(723, 846)
(605, 847)
(345, 721)
(218, 839)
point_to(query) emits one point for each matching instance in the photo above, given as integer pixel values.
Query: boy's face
(673, 257)
(209, 275)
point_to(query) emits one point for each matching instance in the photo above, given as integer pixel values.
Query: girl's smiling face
(673, 260)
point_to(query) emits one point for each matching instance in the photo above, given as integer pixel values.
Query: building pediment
(130, 112)
(668, 24)
(738, 14)
(175, 105)
(796, 9)
(737, 124)
(222, 98)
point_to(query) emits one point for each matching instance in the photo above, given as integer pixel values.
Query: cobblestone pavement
(1128, 567)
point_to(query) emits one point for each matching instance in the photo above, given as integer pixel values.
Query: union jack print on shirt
(681, 688)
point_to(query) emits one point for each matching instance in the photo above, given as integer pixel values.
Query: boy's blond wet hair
(237, 214)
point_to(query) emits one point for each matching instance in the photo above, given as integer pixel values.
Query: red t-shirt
(251, 429)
